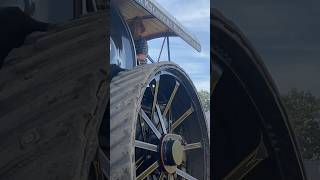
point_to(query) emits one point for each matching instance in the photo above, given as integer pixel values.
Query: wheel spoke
(171, 99)
(162, 176)
(139, 162)
(155, 97)
(154, 177)
(142, 129)
(163, 126)
(146, 146)
(170, 177)
(181, 119)
(150, 124)
(140, 159)
(193, 146)
(170, 121)
(148, 171)
(251, 161)
(185, 175)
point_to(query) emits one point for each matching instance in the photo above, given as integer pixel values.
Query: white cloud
(203, 55)
(189, 12)
(195, 15)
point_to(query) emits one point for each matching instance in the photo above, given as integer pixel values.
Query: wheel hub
(171, 152)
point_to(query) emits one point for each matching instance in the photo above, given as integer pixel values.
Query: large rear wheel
(53, 95)
(158, 128)
(252, 136)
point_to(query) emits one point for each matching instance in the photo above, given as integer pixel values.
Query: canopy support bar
(161, 49)
(168, 47)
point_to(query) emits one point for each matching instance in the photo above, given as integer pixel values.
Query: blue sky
(285, 34)
(195, 16)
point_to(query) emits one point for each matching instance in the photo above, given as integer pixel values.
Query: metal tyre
(157, 126)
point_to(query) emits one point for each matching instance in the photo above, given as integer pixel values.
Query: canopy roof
(157, 21)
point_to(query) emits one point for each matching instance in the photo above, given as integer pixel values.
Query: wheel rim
(170, 139)
(244, 90)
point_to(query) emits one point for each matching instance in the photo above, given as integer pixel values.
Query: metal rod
(150, 124)
(138, 165)
(170, 177)
(163, 126)
(155, 96)
(171, 99)
(148, 171)
(142, 129)
(259, 154)
(150, 58)
(192, 146)
(168, 48)
(185, 175)
(161, 49)
(139, 160)
(161, 176)
(182, 118)
(146, 146)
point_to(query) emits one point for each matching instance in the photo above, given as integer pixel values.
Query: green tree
(303, 110)
(205, 99)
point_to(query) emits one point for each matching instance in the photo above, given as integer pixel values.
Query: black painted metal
(168, 153)
(246, 83)
(185, 97)
(164, 39)
(122, 52)
(168, 48)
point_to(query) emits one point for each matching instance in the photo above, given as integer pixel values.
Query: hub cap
(172, 152)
